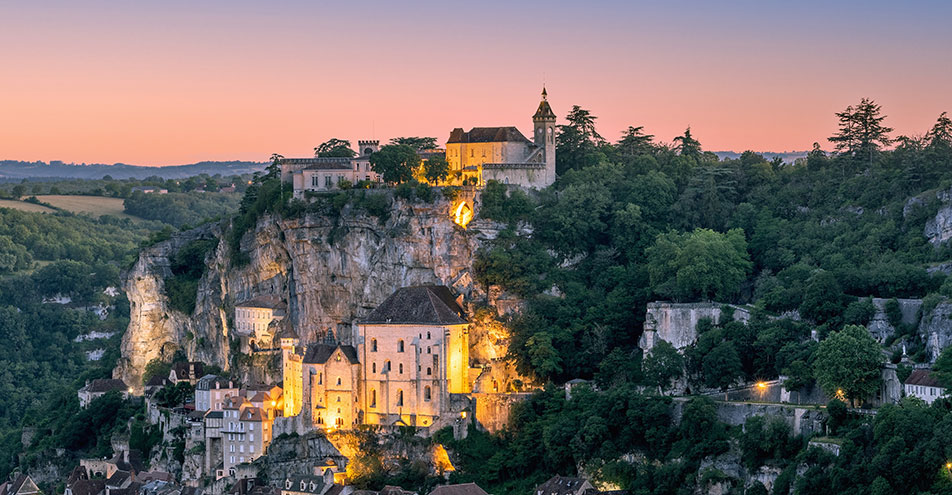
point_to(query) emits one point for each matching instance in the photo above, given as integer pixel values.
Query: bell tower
(543, 123)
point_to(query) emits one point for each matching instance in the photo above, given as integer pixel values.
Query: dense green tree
(687, 146)
(702, 264)
(395, 163)
(861, 131)
(663, 365)
(635, 142)
(823, 299)
(335, 148)
(416, 143)
(436, 169)
(578, 143)
(722, 367)
(850, 361)
(942, 369)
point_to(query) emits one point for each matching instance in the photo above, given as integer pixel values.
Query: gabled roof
(157, 381)
(320, 353)
(460, 489)
(188, 371)
(88, 487)
(103, 385)
(487, 135)
(210, 382)
(922, 378)
(251, 414)
(419, 305)
(562, 485)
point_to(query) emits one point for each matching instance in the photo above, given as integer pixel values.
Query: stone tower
(367, 147)
(543, 123)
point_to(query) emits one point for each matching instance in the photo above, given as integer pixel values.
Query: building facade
(211, 390)
(253, 318)
(327, 173)
(245, 433)
(923, 385)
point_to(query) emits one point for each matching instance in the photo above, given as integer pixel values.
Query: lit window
(399, 397)
(373, 345)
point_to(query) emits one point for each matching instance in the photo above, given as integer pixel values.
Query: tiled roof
(487, 135)
(320, 353)
(922, 378)
(460, 489)
(88, 487)
(252, 414)
(105, 385)
(188, 371)
(560, 485)
(269, 302)
(421, 305)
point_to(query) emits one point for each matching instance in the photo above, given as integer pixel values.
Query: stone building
(246, 432)
(504, 154)
(326, 173)
(211, 390)
(186, 372)
(99, 387)
(412, 352)
(253, 319)
(923, 385)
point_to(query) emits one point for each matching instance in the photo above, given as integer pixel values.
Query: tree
(635, 142)
(335, 148)
(577, 144)
(395, 163)
(849, 361)
(942, 369)
(417, 143)
(702, 264)
(436, 169)
(861, 131)
(663, 365)
(687, 145)
(18, 191)
(823, 299)
(722, 367)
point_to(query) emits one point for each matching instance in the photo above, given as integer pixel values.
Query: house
(504, 154)
(214, 445)
(99, 387)
(561, 485)
(459, 489)
(922, 384)
(20, 484)
(328, 173)
(189, 372)
(154, 384)
(306, 485)
(211, 390)
(245, 432)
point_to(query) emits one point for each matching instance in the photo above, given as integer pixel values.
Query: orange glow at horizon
(176, 82)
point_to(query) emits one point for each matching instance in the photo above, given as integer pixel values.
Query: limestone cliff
(330, 269)
(676, 323)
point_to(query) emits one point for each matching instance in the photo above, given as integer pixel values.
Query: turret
(544, 136)
(367, 147)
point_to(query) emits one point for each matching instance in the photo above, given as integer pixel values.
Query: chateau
(411, 354)
(474, 157)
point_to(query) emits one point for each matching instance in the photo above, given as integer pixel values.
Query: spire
(544, 94)
(544, 112)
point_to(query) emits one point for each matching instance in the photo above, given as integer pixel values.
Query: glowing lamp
(761, 385)
(462, 415)
(273, 403)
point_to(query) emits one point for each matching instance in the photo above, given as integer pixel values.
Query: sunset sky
(172, 82)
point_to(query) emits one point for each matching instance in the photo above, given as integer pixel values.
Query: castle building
(412, 352)
(504, 154)
(327, 173)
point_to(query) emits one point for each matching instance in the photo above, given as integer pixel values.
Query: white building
(923, 385)
(246, 433)
(253, 317)
(211, 390)
(326, 173)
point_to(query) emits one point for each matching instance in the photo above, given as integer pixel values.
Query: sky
(174, 82)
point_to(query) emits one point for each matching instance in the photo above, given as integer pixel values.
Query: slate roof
(320, 353)
(922, 378)
(252, 414)
(268, 302)
(419, 305)
(460, 489)
(184, 371)
(561, 485)
(22, 484)
(319, 163)
(487, 135)
(88, 487)
(312, 484)
(118, 478)
(105, 385)
(209, 382)
(544, 111)
(157, 381)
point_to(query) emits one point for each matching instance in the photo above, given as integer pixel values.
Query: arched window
(373, 398)
(429, 371)
(401, 368)
(386, 366)
(338, 380)
(320, 378)
(428, 335)
(400, 345)
(399, 397)
(495, 386)
(373, 345)
(374, 367)
(426, 393)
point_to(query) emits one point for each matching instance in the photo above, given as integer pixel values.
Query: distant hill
(787, 156)
(16, 170)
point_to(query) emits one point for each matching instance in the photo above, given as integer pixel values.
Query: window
(401, 368)
(399, 397)
(241, 448)
(251, 437)
(373, 345)
(338, 359)
(428, 335)
(386, 366)
(400, 345)
(320, 378)
(327, 181)
(428, 350)
(251, 427)
(338, 380)
(338, 398)
(426, 393)
(429, 371)
(373, 398)
(374, 367)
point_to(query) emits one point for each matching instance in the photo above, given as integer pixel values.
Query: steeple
(544, 112)
(543, 123)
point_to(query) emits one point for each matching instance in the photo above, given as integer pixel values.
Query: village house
(99, 387)
(19, 484)
(186, 372)
(328, 173)
(254, 316)
(562, 485)
(246, 432)
(211, 390)
(923, 385)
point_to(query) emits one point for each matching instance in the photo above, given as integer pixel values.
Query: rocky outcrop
(676, 323)
(935, 329)
(880, 327)
(939, 228)
(330, 270)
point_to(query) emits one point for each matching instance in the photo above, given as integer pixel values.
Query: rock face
(935, 329)
(880, 327)
(676, 323)
(939, 228)
(330, 269)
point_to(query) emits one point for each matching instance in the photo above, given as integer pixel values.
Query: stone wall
(493, 410)
(879, 326)
(676, 323)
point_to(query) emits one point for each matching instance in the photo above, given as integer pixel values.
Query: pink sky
(170, 83)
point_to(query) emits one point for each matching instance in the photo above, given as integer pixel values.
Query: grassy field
(92, 205)
(20, 205)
